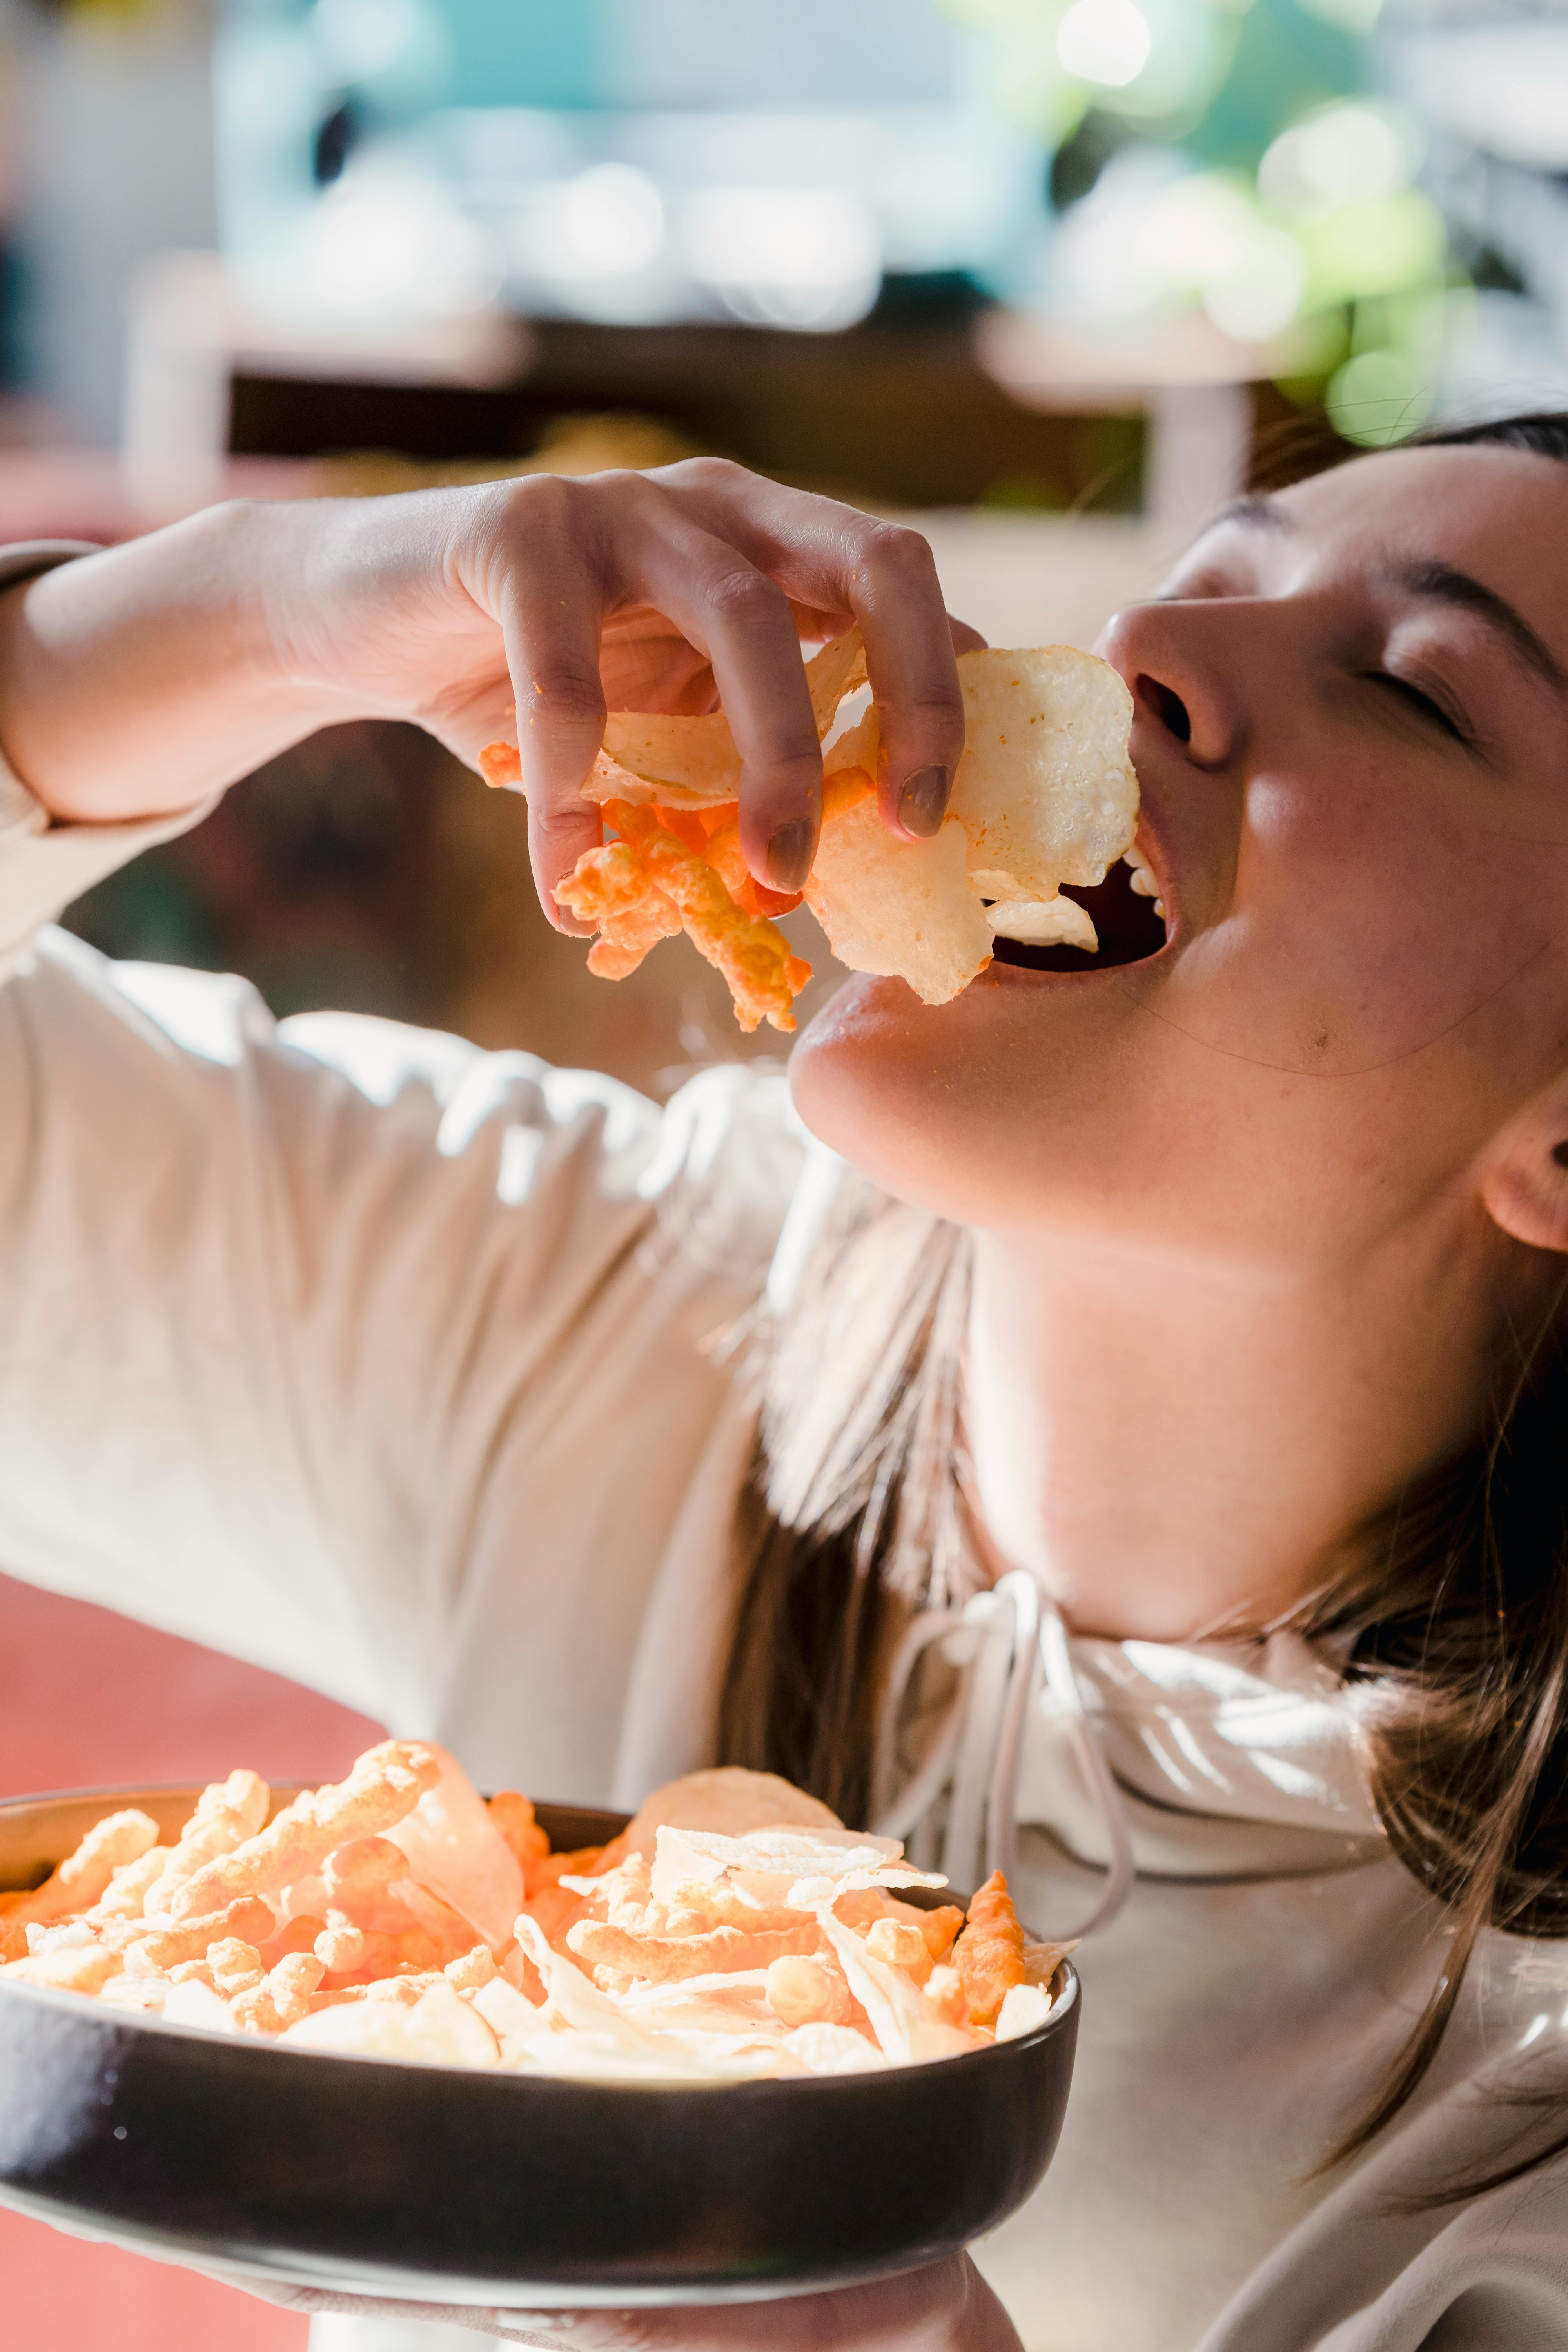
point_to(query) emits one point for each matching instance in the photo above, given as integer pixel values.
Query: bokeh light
(1104, 41)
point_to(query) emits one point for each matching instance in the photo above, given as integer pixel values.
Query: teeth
(1143, 883)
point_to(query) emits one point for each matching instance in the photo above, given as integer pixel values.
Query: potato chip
(439, 2029)
(455, 1849)
(654, 755)
(837, 670)
(1045, 922)
(903, 909)
(1045, 791)
(693, 763)
(833, 2050)
(195, 2004)
(906, 2029)
(727, 1801)
(1023, 2007)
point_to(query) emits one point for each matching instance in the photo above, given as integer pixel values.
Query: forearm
(137, 682)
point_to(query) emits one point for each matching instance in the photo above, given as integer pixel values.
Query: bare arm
(136, 682)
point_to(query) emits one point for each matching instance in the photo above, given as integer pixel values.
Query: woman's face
(1351, 733)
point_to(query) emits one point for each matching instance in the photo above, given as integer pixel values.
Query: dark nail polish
(922, 801)
(789, 855)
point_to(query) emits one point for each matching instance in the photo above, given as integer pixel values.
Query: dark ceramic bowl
(430, 2184)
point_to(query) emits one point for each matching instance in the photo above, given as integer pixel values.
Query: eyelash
(1423, 703)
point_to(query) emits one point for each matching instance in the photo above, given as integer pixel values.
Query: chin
(938, 1104)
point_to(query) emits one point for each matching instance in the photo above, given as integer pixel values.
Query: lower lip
(1073, 975)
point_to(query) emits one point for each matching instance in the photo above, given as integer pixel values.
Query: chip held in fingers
(735, 1930)
(1044, 794)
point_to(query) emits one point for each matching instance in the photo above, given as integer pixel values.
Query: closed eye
(1413, 697)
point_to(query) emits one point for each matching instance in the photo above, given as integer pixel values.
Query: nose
(1172, 658)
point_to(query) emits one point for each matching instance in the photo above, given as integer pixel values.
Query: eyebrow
(1259, 512)
(1440, 584)
(1433, 582)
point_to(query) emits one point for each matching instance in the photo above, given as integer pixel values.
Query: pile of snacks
(1044, 794)
(733, 1930)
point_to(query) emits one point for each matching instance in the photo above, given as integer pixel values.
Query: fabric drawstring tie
(1004, 1643)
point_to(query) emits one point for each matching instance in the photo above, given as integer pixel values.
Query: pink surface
(89, 1699)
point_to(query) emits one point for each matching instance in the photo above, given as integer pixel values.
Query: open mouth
(1129, 925)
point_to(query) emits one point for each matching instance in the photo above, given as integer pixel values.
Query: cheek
(1367, 924)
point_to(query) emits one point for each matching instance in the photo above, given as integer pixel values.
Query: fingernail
(922, 801)
(789, 855)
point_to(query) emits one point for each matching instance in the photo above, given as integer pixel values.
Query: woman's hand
(138, 681)
(947, 2307)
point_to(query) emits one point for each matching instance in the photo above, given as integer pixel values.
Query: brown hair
(1455, 1599)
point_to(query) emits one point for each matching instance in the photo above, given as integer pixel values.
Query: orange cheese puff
(513, 1814)
(70, 1968)
(164, 1947)
(902, 1946)
(667, 1959)
(348, 1953)
(861, 1909)
(989, 1955)
(625, 940)
(500, 764)
(805, 1991)
(83, 1878)
(696, 1908)
(553, 1908)
(649, 863)
(473, 1970)
(128, 1889)
(360, 1877)
(578, 1861)
(227, 1813)
(281, 1999)
(235, 1966)
(299, 1936)
(13, 1943)
(939, 1927)
(383, 1789)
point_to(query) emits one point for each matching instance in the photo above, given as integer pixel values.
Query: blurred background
(1048, 277)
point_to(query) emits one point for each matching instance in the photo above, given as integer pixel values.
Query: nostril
(1166, 705)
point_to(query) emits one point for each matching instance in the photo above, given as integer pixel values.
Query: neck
(1175, 1450)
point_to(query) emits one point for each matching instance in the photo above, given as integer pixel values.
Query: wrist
(140, 679)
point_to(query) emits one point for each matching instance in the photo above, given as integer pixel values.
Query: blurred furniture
(192, 327)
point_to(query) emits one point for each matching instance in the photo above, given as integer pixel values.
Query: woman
(1211, 1297)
